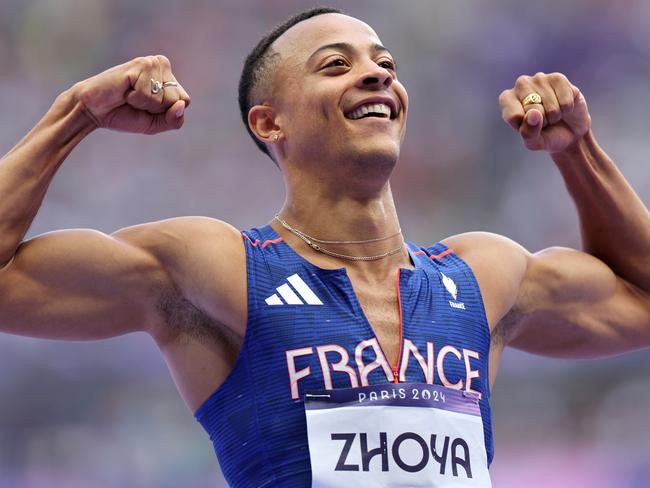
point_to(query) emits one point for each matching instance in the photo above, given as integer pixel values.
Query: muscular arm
(83, 284)
(27, 170)
(614, 222)
(557, 302)
(79, 283)
(571, 303)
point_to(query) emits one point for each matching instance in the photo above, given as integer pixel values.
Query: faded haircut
(259, 65)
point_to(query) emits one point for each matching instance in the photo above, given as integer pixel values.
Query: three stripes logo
(303, 295)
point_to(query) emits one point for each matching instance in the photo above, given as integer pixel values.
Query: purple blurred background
(106, 414)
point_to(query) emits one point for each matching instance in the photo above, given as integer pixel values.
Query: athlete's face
(337, 94)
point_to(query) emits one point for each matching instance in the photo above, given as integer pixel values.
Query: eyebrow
(344, 46)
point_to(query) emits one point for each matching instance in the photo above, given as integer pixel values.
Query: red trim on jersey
(435, 256)
(254, 243)
(442, 254)
(269, 241)
(401, 331)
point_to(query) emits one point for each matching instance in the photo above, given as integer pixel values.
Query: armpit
(182, 317)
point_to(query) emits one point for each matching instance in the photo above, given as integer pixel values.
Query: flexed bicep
(80, 284)
(571, 304)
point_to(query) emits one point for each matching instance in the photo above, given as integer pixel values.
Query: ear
(262, 121)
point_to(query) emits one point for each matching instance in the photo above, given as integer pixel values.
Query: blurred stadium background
(106, 414)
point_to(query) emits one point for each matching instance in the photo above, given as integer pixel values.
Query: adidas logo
(452, 289)
(289, 295)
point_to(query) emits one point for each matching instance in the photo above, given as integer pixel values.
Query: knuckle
(539, 74)
(164, 60)
(145, 62)
(140, 61)
(559, 77)
(522, 80)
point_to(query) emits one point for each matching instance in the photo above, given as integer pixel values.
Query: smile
(370, 110)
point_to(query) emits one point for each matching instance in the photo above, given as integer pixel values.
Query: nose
(375, 77)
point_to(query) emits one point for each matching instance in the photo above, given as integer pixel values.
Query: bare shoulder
(166, 235)
(499, 264)
(493, 255)
(187, 242)
(549, 269)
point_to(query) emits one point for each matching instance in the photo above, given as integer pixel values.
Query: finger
(141, 96)
(130, 119)
(169, 120)
(524, 86)
(563, 92)
(175, 115)
(182, 92)
(549, 108)
(169, 94)
(512, 111)
(578, 119)
(172, 93)
(578, 98)
(179, 90)
(552, 111)
(531, 129)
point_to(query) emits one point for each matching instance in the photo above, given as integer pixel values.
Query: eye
(336, 63)
(387, 64)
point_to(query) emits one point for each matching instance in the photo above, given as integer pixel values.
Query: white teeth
(377, 108)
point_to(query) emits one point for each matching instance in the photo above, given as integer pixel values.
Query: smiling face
(336, 98)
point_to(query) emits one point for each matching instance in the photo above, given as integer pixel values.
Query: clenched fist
(121, 98)
(553, 125)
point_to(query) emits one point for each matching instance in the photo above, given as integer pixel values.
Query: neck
(339, 216)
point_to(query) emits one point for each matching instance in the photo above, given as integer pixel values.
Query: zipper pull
(396, 376)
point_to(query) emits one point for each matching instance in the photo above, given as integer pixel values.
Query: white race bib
(396, 435)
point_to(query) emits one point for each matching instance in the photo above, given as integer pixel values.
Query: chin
(376, 155)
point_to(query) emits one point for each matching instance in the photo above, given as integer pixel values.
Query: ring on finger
(532, 98)
(158, 86)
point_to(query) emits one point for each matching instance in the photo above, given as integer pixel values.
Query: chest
(380, 303)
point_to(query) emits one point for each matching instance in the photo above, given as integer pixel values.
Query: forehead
(305, 37)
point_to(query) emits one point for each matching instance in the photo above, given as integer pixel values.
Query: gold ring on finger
(532, 98)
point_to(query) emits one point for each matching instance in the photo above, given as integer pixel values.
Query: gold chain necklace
(311, 242)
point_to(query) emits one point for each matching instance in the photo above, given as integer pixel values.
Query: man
(257, 327)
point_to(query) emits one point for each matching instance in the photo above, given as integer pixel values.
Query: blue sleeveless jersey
(306, 331)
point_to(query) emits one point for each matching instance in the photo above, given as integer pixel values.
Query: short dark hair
(258, 64)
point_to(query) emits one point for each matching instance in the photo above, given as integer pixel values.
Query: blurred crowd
(106, 415)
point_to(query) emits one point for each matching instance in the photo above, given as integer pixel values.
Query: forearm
(614, 222)
(27, 170)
